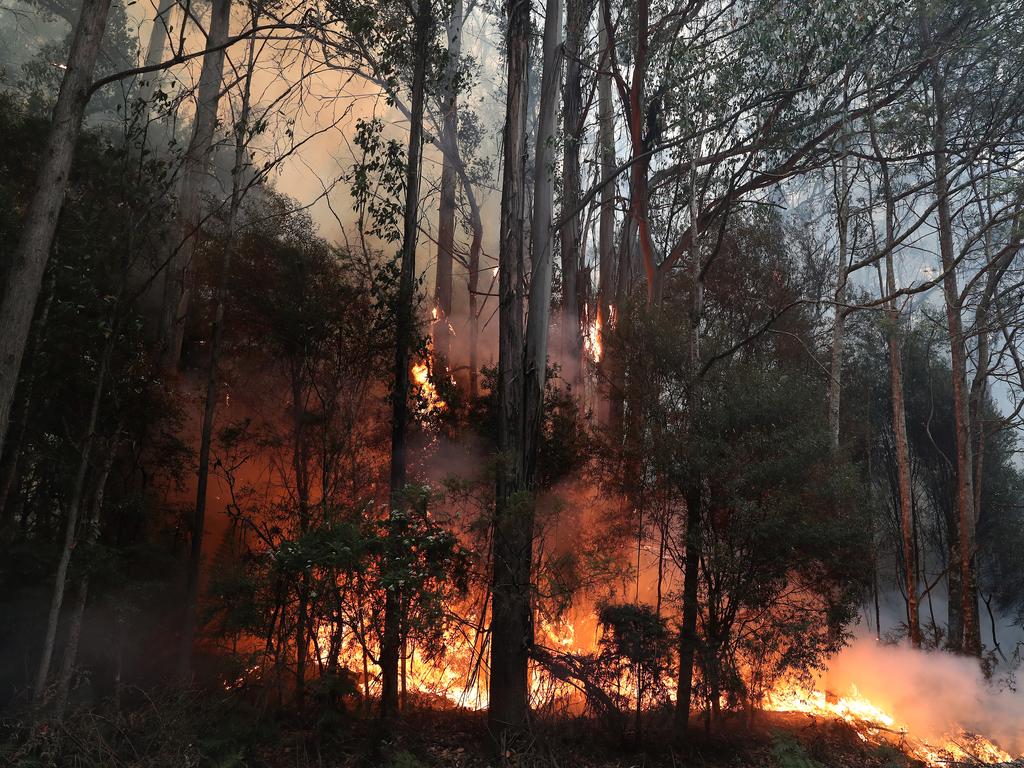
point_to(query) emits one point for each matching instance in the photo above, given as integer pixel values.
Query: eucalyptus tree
(896, 390)
(244, 129)
(574, 116)
(446, 213)
(25, 277)
(522, 364)
(181, 242)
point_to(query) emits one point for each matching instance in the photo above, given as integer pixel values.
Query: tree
(244, 131)
(522, 368)
(178, 268)
(24, 280)
(391, 641)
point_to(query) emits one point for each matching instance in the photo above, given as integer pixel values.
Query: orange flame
(874, 725)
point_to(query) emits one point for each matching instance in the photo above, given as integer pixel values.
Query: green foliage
(377, 181)
(788, 753)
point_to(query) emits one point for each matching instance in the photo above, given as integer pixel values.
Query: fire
(458, 676)
(424, 385)
(876, 726)
(592, 340)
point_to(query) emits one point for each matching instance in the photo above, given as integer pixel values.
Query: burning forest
(597, 383)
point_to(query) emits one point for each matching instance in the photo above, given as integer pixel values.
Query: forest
(520, 384)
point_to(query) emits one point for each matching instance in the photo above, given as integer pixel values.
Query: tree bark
(213, 379)
(446, 216)
(835, 382)
(899, 420)
(968, 598)
(606, 221)
(71, 525)
(522, 366)
(391, 643)
(178, 273)
(693, 490)
(24, 280)
(81, 598)
(158, 36)
(573, 116)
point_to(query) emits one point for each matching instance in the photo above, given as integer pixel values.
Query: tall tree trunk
(212, 377)
(24, 280)
(606, 221)
(693, 491)
(639, 202)
(522, 367)
(473, 283)
(996, 265)
(71, 525)
(968, 597)
(899, 420)
(158, 37)
(300, 466)
(184, 233)
(391, 642)
(81, 598)
(576, 17)
(541, 242)
(446, 216)
(835, 382)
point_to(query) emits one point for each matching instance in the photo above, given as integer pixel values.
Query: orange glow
(876, 726)
(424, 386)
(592, 342)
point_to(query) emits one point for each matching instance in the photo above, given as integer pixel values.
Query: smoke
(932, 693)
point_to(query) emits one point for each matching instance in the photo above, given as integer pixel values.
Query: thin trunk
(639, 144)
(835, 384)
(70, 527)
(446, 216)
(391, 637)
(28, 262)
(77, 614)
(300, 464)
(473, 280)
(606, 225)
(688, 629)
(541, 242)
(212, 380)
(184, 233)
(899, 419)
(474, 311)
(899, 426)
(691, 569)
(968, 597)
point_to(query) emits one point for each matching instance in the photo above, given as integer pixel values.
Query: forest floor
(227, 732)
(459, 739)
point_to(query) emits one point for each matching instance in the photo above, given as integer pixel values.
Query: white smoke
(933, 693)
